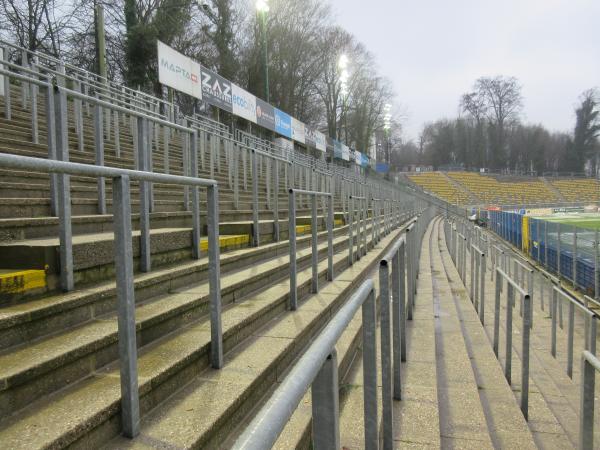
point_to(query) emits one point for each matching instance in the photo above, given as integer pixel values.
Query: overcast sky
(433, 51)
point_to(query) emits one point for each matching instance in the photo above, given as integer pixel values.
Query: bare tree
(503, 100)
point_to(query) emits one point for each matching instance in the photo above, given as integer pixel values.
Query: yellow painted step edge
(227, 241)
(21, 281)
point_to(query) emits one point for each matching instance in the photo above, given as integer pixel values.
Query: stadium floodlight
(262, 6)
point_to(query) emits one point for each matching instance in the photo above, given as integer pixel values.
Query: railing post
(596, 266)
(410, 263)
(482, 289)
(64, 192)
(214, 277)
(51, 139)
(330, 273)
(315, 245)
(553, 314)
(130, 410)
(196, 231)
(99, 152)
(525, 355)
(145, 251)
(293, 301)
(350, 230)
(570, 340)
(255, 224)
(369, 321)
(386, 353)
(325, 406)
(587, 400)
(497, 312)
(276, 204)
(509, 314)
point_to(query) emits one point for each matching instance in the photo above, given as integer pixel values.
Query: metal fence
(570, 252)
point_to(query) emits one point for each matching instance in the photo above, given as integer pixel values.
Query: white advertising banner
(357, 157)
(298, 131)
(244, 103)
(345, 152)
(178, 71)
(321, 141)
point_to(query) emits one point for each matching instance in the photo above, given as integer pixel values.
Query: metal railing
(393, 332)
(590, 364)
(590, 325)
(318, 369)
(511, 288)
(478, 268)
(121, 179)
(293, 193)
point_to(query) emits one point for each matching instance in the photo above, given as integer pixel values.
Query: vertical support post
(130, 410)
(315, 245)
(196, 236)
(497, 312)
(214, 278)
(325, 406)
(145, 251)
(574, 270)
(99, 150)
(509, 313)
(570, 340)
(371, 426)
(558, 249)
(293, 301)
(51, 139)
(482, 289)
(350, 230)
(596, 267)
(525, 355)
(386, 360)
(410, 263)
(330, 273)
(64, 192)
(276, 195)
(554, 301)
(255, 224)
(586, 413)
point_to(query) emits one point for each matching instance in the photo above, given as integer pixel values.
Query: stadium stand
(439, 185)
(64, 382)
(491, 190)
(578, 190)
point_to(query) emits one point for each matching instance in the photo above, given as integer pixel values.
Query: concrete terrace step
(86, 413)
(505, 422)
(36, 318)
(416, 416)
(247, 379)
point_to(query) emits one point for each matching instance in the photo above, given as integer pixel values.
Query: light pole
(387, 125)
(343, 65)
(262, 8)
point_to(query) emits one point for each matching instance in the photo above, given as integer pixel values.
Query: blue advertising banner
(382, 168)
(283, 123)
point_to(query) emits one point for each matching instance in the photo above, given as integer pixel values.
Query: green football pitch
(584, 220)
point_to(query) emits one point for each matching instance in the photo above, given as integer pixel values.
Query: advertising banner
(382, 168)
(309, 136)
(178, 71)
(298, 131)
(283, 123)
(265, 115)
(216, 90)
(357, 158)
(320, 141)
(345, 152)
(244, 103)
(337, 149)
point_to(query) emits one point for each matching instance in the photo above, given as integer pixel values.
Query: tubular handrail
(318, 366)
(293, 297)
(525, 333)
(124, 259)
(590, 365)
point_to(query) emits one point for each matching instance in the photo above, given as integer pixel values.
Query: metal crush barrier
(124, 261)
(293, 194)
(317, 368)
(590, 365)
